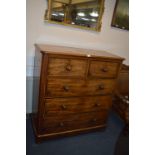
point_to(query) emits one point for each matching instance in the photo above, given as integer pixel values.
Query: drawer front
(66, 106)
(103, 69)
(62, 123)
(66, 67)
(77, 87)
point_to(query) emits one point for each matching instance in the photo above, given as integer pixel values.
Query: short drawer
(77, 87)
(62, 123)
(66, 67)
(103, 69)
(66, 106)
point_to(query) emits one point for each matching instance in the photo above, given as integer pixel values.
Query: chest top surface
(63, 50)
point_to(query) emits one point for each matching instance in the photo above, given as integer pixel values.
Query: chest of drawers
(72, 90)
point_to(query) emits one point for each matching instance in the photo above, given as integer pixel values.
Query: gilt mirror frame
(96, 23)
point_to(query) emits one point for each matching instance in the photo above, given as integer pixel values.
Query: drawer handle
(68, 67)
(97, 104)
(104, 70)
(61, 124)
(101, 87)
(66, 88)
(94, 120)
(63, 106)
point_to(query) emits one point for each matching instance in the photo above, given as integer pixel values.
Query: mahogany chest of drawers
(72, 90)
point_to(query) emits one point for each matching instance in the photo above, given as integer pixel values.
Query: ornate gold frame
(97, 28)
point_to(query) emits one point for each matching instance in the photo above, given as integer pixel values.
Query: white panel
(29, 94)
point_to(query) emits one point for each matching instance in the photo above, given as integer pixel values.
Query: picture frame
(121, 15)
(83, 14)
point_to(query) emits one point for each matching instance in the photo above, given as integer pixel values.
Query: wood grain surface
(65, 106)
(78, 87)
(75, 90)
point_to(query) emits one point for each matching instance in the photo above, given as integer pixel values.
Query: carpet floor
(110, 141)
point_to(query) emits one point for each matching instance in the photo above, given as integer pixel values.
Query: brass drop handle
(101, 86)
(104, 69)
(61, 124)
(63, 106)
(66, 88)
(68, 67)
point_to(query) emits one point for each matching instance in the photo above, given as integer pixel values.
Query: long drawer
(62, 123)
(78, 87)
(66, 106)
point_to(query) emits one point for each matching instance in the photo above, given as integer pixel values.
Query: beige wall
(110, 39)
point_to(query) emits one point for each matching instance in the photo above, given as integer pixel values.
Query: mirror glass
(81, 13)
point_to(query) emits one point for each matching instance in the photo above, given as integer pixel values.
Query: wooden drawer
(66, 67)
(77, 87)
(62, 123)
(103, 69)
(65, 106)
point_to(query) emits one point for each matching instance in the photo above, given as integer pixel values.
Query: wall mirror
(85, 14)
